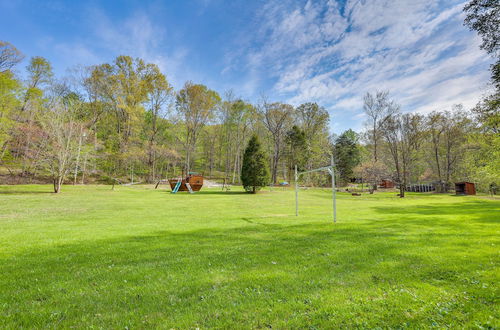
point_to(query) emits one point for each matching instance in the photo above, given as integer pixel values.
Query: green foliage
(297, 147)
(488, 113)
(9, 102)
(9, 56)
(254, 172)
(39, 72)
(482, 164)
(483, 16)
(347, 155)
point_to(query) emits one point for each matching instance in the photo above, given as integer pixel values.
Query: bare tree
(63, 134)
(377, 107)
(371, 172)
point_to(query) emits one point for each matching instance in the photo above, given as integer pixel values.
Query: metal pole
(333, 192)
(296, 192)
(78, 156)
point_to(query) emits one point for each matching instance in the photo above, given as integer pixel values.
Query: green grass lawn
(138, 257)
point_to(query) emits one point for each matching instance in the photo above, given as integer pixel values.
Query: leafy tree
(482, 162)
(9, 90)
(254, 172)
(196, 104)
(159, 94)
(447, 132)
(483, 16)
(297, 147)
(314, 121)
(236, 119)
(488, 113)
(9, 56)
(347, 155)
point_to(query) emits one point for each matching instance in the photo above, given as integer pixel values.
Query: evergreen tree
(347, 155)
(254, 172)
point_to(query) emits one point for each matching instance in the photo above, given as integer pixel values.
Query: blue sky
(330, 52)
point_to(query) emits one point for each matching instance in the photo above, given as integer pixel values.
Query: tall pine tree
(254, 172)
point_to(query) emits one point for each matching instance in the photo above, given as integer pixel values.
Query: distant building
(465, 188)
(387, 183)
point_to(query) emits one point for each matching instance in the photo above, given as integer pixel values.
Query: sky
(329, 52)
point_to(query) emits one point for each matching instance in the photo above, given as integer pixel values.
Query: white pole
(296, 192)
(333, 192)
(78, 155)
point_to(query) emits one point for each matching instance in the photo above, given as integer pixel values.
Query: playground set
(191, 183)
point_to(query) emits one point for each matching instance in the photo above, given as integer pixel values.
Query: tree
(314, 121)
(483, 16)
(371, 172)
(487, 113)
(403, 134)
(482, 162)
(236, 119)
(9, 90)
(9, 56)
(296, 147)
(347, 155)
(378, 108)
(159, 93)
(40, 75)
(277, 118)
(254, 172)
(63, 134)
(196, 104)
(447, 132)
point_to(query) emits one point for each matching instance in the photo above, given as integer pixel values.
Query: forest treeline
(124, 121)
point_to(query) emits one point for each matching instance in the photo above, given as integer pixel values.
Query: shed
(387, 184)
(465, 188)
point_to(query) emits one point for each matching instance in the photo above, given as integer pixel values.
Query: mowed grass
(138, 257)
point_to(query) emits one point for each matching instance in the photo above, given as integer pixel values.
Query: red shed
(387, 183)
(465, 188)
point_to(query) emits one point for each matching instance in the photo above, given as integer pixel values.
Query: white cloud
(419, 50)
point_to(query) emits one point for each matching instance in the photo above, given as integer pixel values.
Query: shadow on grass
(220, 192)
(238, 274)
(23, 192)
(478, 210)
(203, 277)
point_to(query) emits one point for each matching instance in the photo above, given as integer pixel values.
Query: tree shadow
(248, 269)
(220, 192)
(23, 192)
(478, 210)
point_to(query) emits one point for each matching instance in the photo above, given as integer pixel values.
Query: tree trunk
(84, 168)
(57, 185)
